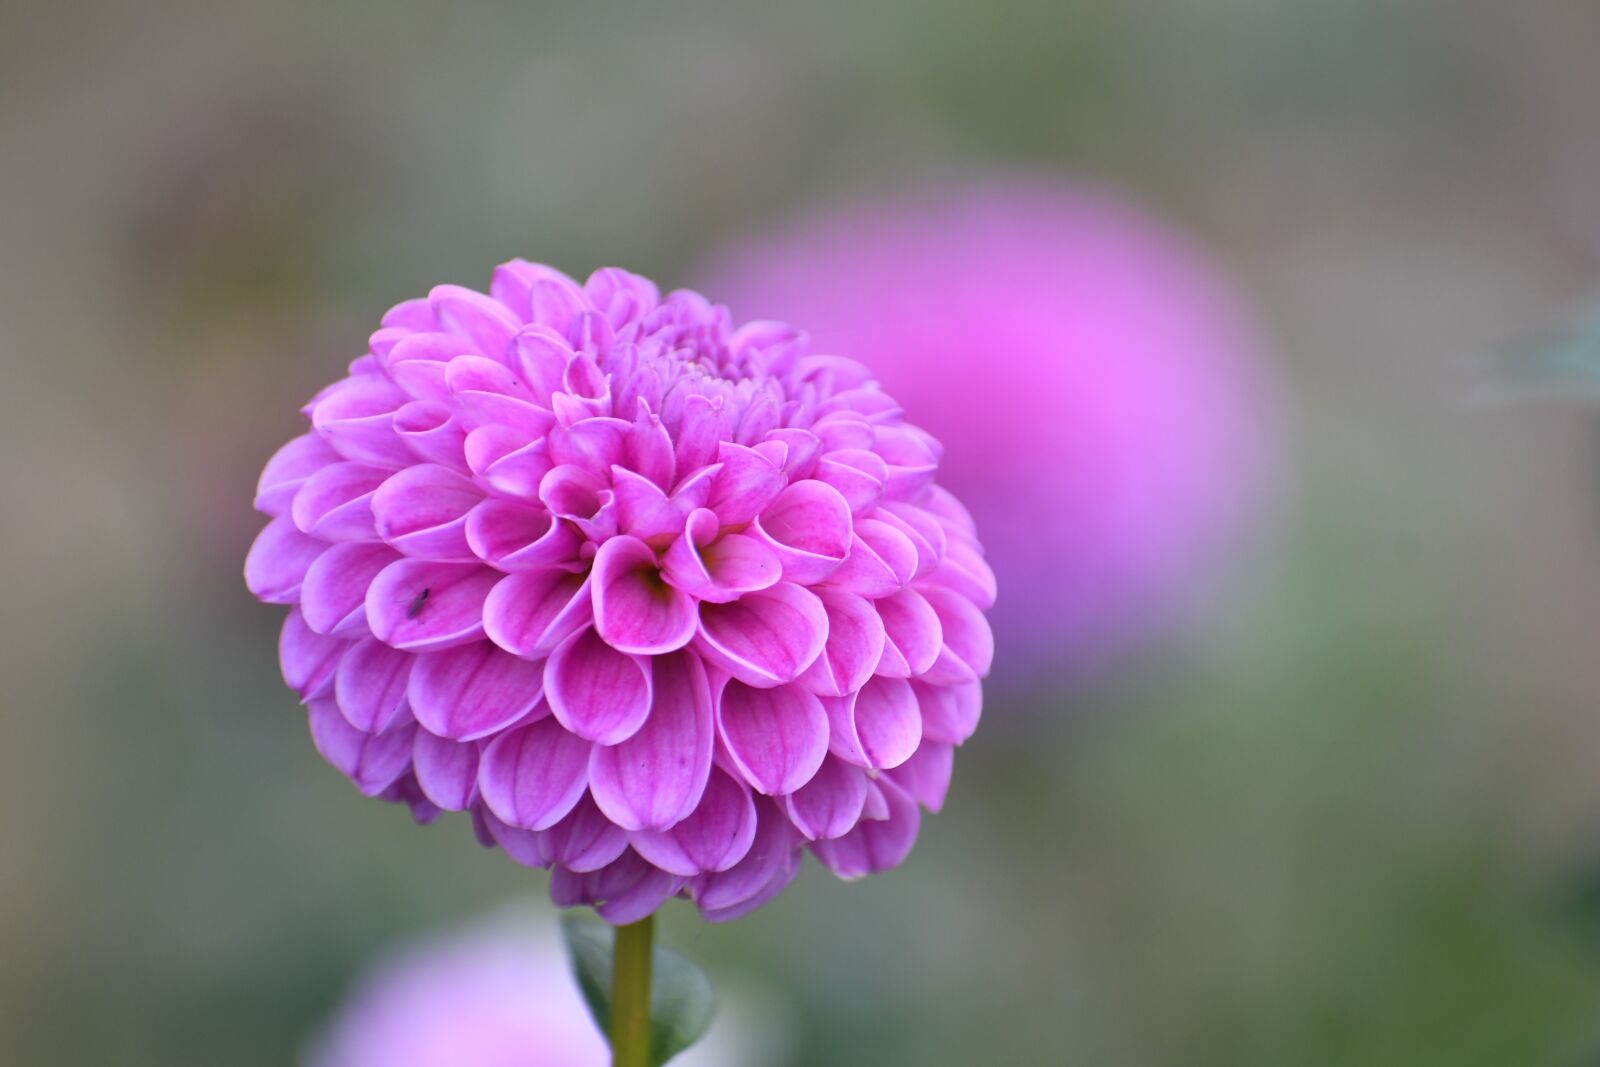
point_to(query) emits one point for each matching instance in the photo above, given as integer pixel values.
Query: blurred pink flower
(498, 993)
(659, 600)
(1094, 377)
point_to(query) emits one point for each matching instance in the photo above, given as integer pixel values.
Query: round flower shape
(661, 601)
(1097, 379)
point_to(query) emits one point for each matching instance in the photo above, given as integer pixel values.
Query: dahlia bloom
(1094, 376)
(498, 993)
(660, 601)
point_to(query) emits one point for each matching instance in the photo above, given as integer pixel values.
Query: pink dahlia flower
(1095, 377)
(660, 601)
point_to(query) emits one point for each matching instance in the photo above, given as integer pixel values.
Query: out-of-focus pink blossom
(1093, 375)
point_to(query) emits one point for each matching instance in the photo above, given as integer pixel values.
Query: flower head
(660, 600)
(1096, 380)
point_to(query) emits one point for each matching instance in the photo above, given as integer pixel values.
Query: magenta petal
(532, 776)
(765, 638)
(335, 504)
(420, 605)
(874, 845)
(747, 482)
(595, 691)
(949, 713)
(719, 570)
(446, 770)
(926, 775)
(915, 636)
(830, 804)
(278, 561)
(923, 528)
(373, 762)
(356, 417)
(854, 647)
(888, 721)
(486, 323)
(776, 737)
(421, 511)
(527, 847)
(634, 609)
(968, 648)
(474, 690)
(857, 474)
(769, 856)
(714, 837)
(633, 889)
(505, 460)
(531, 612)
(585, 840)
(595, 444)
(519, 537)
(781, 876)
(431, 432)
(371, 685)
(964, 570)
(808, 525)
(288, 469)
(656, 777)
(334, 594)
(309, 660)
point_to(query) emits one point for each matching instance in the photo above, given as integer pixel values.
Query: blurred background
(1346, 812)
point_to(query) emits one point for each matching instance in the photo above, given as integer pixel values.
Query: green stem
(630, 995)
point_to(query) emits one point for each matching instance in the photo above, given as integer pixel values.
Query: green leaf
(682, 999)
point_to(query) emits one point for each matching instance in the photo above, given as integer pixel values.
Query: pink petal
(887, 722)
(529, 613)
(700, 431)
(334, 594)
(446, 770)
(968, 650)
(356, 418)
(373, 762)
(309, 660)
(912, 455)
(573, 492)
(770, 856)
(719, 570)
(965, 571)
(420, 605)
(830, 804)
(882, 560)
(776, 737)
(656, 777)
(585, 840)
(335, 504)
(541, 356)
(808, 526)
(519, 537)
(874, 845)
(926, 775)
(595, 444)
(632, 889)
(508, 462)
(484, 321)
(854, 647)
(634, 609)
(914, 634)
(765, 638)
(949, 713)
(747, 483)
(716, 835)
(857, 474)
(370, 688)
(433, 434)
(646, 512)
(421, 511)
(473, 691)
(595, 691)
(487, 393)
(924, 529)
(527, 847)
(532, 776)
(288, 469)
(802, 446)
(278, 561)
